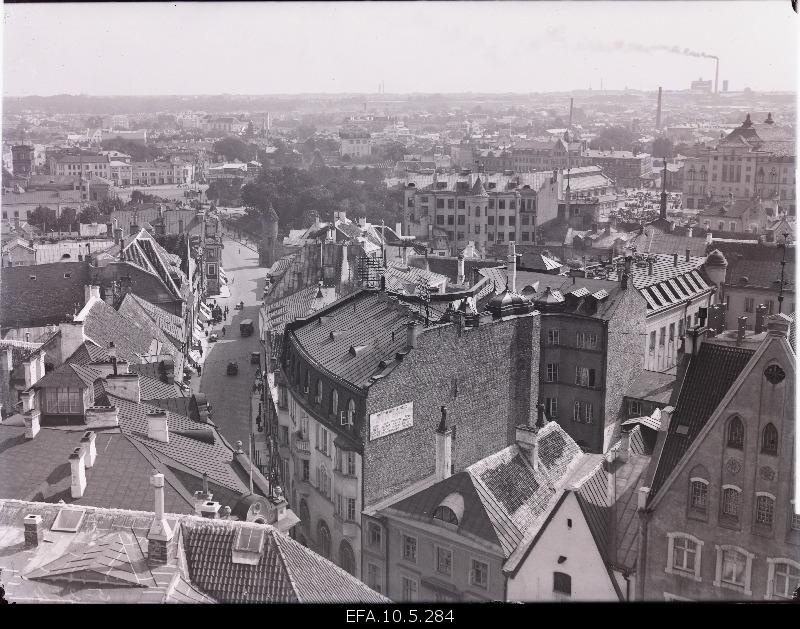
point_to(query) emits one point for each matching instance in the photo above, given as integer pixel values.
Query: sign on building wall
(391, 420)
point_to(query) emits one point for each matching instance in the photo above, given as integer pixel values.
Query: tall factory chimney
(716, 76)
(658, 110)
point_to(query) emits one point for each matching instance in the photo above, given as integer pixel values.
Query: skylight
(68, 520)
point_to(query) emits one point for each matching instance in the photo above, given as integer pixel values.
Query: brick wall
(488, 379)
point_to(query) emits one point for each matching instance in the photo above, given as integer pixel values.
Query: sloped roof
(465, 183)
(171, 324)
(50, 298)
(653, 386)
(709, 376)
(286, 572)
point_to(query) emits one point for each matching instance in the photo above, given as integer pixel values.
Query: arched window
(324, 536)
(318, 397)
(730, 501)
(305, 516)
(562, 585)
(765, 509)
(769, 440)
(698, 494)
(347, 559)
(445, 514)
(736, 434)
(307, 382)
(351, 412)
(334, 402)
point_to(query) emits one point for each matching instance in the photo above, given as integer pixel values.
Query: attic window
(67, 276)
(355, 350)
(68, 520)
(32, 277)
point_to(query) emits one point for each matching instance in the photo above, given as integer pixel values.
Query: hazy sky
(251, 48)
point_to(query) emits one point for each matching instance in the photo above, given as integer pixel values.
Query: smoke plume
(677, 50)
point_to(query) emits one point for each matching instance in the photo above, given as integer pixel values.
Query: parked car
(246, 327)
(255, 358)
(212, 338)
(233, 369)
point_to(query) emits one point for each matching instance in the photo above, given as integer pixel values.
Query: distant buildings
(626, 168)
(355, 143)
(548, 155)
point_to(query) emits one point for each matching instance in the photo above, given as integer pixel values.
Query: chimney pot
(78, 473)
(34, 530)
(688, 252)
(157, 426)
(89, 447)
(210, 509)
(102, 416)
(644, 493)
(412, 334)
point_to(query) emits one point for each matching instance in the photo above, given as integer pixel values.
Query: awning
(204, 312)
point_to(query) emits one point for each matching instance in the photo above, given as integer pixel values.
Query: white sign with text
(391, 420)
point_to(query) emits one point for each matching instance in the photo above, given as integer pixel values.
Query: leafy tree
(233, 148)
(90, 214)
(138, 152)
(67, 219)
(662, 147)
(43, 217)
(115, 204)
(613, 137)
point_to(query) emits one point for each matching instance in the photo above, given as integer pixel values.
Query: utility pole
(783, 271)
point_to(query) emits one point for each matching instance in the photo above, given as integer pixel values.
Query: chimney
(77, 465)
(72, 337)
(624, 446)
(157, 427)
(460, 278)
(160, 534)
(412, 334)
(117, 235)
(649, 267)
(778, 325)
(30, 369)
(741, 330)
(210, 509)
(512, 266)
(89, 449)
(623, 283)
(166, 368)
(444, 448)
(689, 232)
(693, 340)
(688, 252)
(31, 420)
(398, 228)
(658, 110)
(644, 493)
(527, 441)
(761, 313)
(674, 259)
(202, 496)
(125, 386)
(34, 531)
(102, 417)
(709, 238)
(91, 293)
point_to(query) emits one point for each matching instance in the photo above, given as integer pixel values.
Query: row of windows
(731, 501)
(733, 566)
(584, 376)
(443, 563)
(583, 340)
(346, 417)
(735, 437)
(461, 219)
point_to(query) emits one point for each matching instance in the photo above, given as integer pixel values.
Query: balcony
(302, 446)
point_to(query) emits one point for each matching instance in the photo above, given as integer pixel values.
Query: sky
(441, 47)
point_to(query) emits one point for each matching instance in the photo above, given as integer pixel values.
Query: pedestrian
(206, 333)
(199, 370)
(223, 330)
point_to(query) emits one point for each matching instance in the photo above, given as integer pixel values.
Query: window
(551, 406)
(409, 546)
(733, 568)
(461, 204)
(662, 334)
(562, 585)
(584, 376)
(490, 220)
(736, 434)
(318, 397)
(491, 204)
(450, 204)
(765, 509)
(439, 219)
(445, 514)
(324, 535)
(552, 337)
(477, 229)
(512, 221)
(671, 332)
(526, 236)
(500, 237)
(588, 412)
(698, 494)
(323, 481)
(526, 220)
(479, 574)
(461, 218)
(730, 501)
(444, 560)
(634, 408)
(374, 577)
(410, 589)
(587, 340)
(576, 412)
(350, 516)
(450, 220)
(769, 440)
(552, 372)
(347, 558)
(306, 470)
(501, 220)
(322, 439)
(64, 401)
(749, 304)
(770, 306)
(350, 463)
(374, 535)
(785, 577)
(439, 204)
(652, 342)
(684, 552)
(334, 402)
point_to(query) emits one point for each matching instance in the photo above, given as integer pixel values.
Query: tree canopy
(618, 138)
(234, 148)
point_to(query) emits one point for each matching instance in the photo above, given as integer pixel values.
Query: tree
(233, 148)
(89, 214)
(138, 152)
(613, 137)
(43, 217)
(115, 204)
(67, 219)
(662, 147)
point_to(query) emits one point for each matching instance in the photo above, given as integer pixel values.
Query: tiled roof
(39, 469)
(503, 494)
(286, 572)
(398, 275)
(69, 375)
(48, 299)
(88, 352)
(655, 240)
(363, 319)
(448, 266)
(653, 386)
(173, 325)
(42, 197)
(709, 376)
(467, 184)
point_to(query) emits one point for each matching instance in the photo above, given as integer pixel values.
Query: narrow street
(230, 395)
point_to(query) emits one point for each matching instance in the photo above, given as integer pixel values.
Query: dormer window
(445, 514)
(64, 401)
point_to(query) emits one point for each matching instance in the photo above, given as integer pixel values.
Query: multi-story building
(626, 168)
(355, 143)
(22, 160)
(84, 166)
(485, 208)
(364, 382)
(226, 124)
(591, 196)
(17, 206)
(537, 155)
(590, 347)
(137, 137)
(717, 520)
(160, 173)
(754, 160)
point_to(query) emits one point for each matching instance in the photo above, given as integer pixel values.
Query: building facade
(626, 168)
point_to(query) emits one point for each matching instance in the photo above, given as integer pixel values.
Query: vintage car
(255, 358)
(233, 369)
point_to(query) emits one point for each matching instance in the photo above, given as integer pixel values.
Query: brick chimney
(72, 337)
(125, 386)
(30, 415)
(202, 496)
(761, 313)
(160, 534)
(741, 330)
(34, 530)
(460, 273)
(89, 449)
(101, 417)
(527, 437)
(78, 469)
(157, 427)
(412, 331)
(693, 340)
(778, 325)
(444, 448)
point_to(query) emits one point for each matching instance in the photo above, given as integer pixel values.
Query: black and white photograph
(401, 308)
